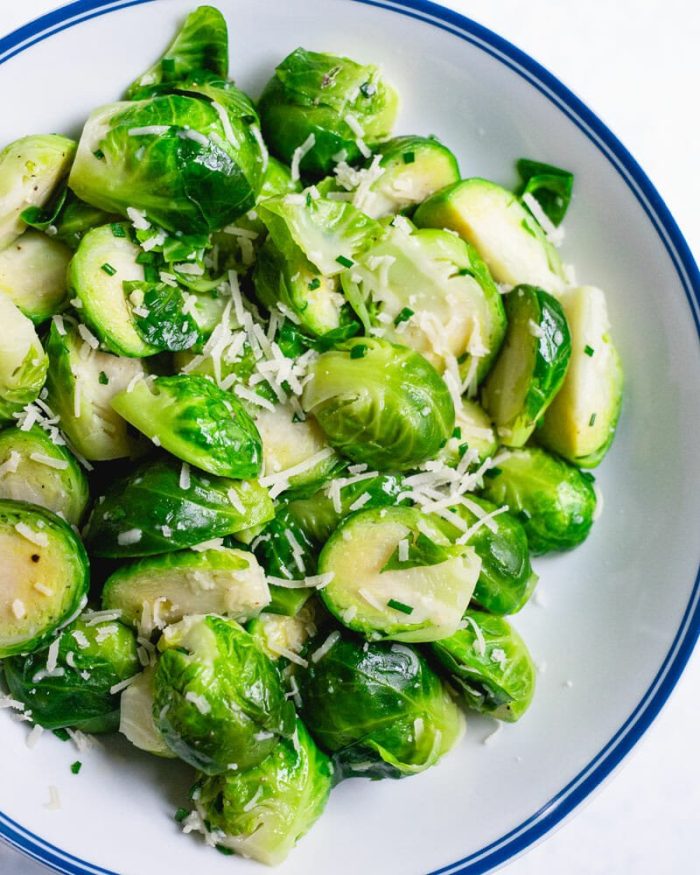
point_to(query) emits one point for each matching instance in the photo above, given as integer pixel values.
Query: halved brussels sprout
(136, 716)
(531, 367)
(200, 46)
(66, 219)
(164, 506)
(580, 423)
(289, 443)
(473, 431)
(506, 579)
(278, 635)
(490, 665)
(44, 576)
(35, 469)
(318, 108)
(33, 275)
(175, 585)
(380, 403)
(504, 233)
(396, 575)
(554, 501)
(71, 682)
(403, 173)
(30, 169)
(23, 362)
(188, 160)
(378, 707)
(193, 419)
(96, 276)
(81, 383)
(430, 290)
(262, 813)
(219, 701)
(286, 552)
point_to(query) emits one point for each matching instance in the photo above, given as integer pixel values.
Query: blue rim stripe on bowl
(564, 802)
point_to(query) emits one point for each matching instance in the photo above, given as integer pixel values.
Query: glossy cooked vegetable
(136, 716)
(43, 576)
(33, 275)
(23, 363)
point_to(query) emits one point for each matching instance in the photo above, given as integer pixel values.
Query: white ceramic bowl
(619, 615)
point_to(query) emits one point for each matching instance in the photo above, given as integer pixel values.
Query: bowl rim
(600, 767)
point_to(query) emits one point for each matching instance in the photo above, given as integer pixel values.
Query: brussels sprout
(200, 46)
(580, 423)
(289, 443)
(193, 419)
(473, 431)
(163, 506)
(328, 233)
(72, 682)
(219, 700)
(379, 403)
(66, 218)
(378, 707)
(395, 575)
(30, 168)
(294, 282)
(43, 577)
(96, 276)
(81, 383)
(262, 812)
(490, 665)
(550, 186)
(286, 552)
(167, 588)
(23, 363)
(136, 716)
(403, 173)
(554, 501)
(189, 160)
(506, 579)
(531, 367)
(33, 275)
(36, 470)
(279, 636)
(430, 290)
(504, 233)
(318, 107)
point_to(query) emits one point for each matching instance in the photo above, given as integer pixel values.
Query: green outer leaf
(361, 700)
(166, 327)
(550, 186)
(151, 498)
(389, 408)
(554, 501)
(200, 45)
(501, 689)
(216, 659)
(265, 810)
(64, 559)
(195, 421)
(530, 368)
(73, 700)
(23, 363)
(55, 489)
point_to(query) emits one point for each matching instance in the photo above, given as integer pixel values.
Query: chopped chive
(61, 733)
(346, 262)
(117, 230)
(314, 284)
(462, 449)
(492, 472)
(108, 269)
(151, 273)
(181, 814)
(99, 154)
(168, 65)
(145, 258)
(462, 359)
(403, 315)
(465, 271)
(587, 476)
(358, 351)
(588, 350)
(523, 515)
(400, 606)
(103, 379)
(457, 433)
(222, 849)
(76, 767)
(591, 421)
(409, 157)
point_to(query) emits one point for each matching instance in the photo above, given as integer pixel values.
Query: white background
(636, 64)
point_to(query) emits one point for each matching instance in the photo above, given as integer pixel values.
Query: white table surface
(636, 64)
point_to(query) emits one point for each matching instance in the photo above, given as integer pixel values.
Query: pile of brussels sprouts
(287, 407)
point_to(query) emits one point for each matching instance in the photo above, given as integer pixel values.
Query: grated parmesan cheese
(300, 153)
(49, 461)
